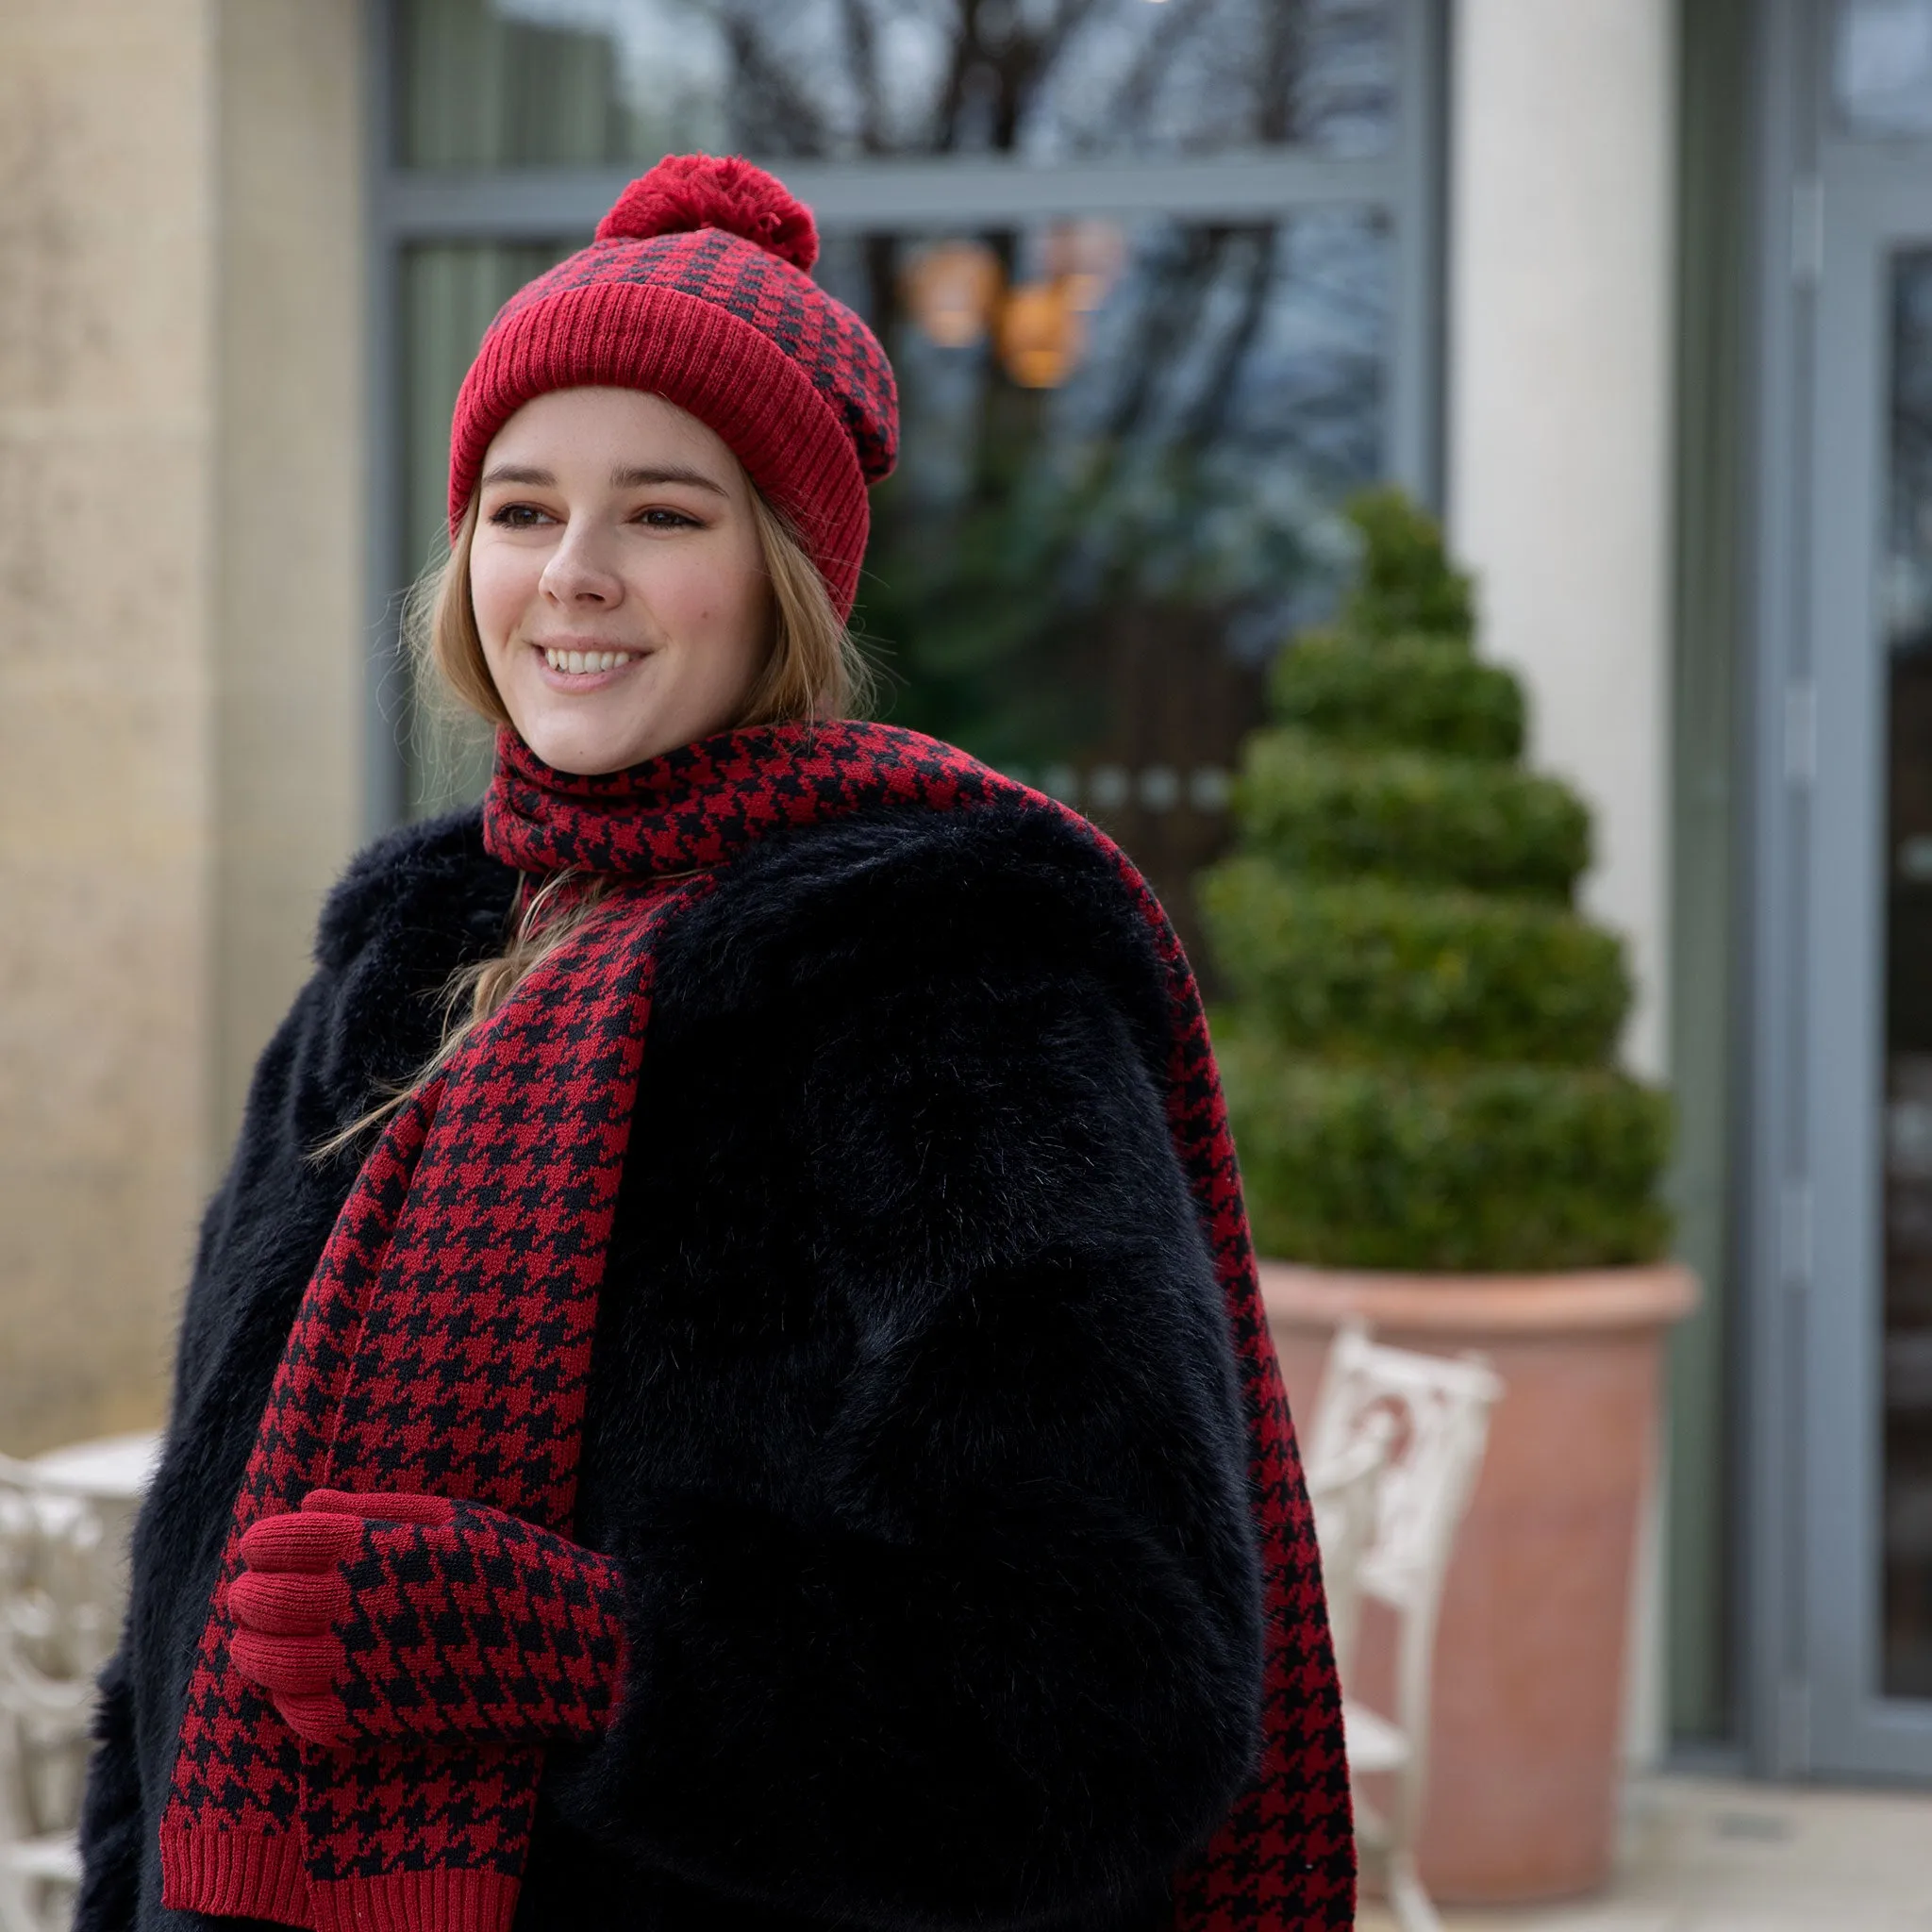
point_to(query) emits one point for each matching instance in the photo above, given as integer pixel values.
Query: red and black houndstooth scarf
(443, 1345)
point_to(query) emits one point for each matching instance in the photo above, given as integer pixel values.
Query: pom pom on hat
(686, 191)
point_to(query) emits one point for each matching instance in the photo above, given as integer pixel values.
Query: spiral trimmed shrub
(1409, 815)
(1417, 1042)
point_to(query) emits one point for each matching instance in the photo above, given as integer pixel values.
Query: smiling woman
(792, 1352)
(618, 552)
(617, 578)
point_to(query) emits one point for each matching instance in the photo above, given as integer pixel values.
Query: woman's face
(617, 580)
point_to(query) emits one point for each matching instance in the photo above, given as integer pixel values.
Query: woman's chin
(590, 746)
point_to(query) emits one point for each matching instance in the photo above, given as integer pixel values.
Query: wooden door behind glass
(1906, 1309)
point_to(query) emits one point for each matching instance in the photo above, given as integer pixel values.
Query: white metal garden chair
(1392, 1454)
(1346, 1496)
(63, 1537)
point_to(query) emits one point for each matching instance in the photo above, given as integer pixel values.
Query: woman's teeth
(585, 660)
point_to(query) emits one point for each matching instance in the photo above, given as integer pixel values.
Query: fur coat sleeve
(912, 1425)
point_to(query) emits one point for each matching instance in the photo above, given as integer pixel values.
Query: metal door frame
(1833, 210)
(1853, 1729)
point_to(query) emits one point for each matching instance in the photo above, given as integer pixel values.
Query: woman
(773, 1428)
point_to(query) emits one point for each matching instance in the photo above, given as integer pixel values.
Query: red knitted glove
(368, 1619)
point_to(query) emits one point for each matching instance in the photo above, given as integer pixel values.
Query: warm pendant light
(954, 292)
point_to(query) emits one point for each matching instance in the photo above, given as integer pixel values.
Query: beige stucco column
(291, 614)
(1561, 196)
(180, 634)
(1559, 371)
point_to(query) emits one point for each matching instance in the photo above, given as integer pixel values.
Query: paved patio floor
(1706, 1855)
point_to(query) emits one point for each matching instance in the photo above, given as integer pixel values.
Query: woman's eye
(665, 519)
(517, 516)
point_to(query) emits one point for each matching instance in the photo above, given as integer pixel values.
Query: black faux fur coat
(912, 1420)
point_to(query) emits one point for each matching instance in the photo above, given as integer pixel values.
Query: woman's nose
(578, 571)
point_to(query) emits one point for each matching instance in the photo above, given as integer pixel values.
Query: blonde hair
(813, 670)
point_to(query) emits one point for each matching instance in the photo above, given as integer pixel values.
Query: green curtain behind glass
(480, 92)
(1714, 196)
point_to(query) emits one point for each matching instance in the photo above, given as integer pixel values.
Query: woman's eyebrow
(622, 478)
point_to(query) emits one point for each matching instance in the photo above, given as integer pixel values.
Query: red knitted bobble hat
(697, 290)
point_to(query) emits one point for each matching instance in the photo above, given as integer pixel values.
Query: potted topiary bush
(1419, 1043)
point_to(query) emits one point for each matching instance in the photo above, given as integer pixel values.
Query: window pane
(505, 83)
(1123, 449)
(1882, 67)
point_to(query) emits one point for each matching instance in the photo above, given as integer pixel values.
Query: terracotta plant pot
(1528, 1687)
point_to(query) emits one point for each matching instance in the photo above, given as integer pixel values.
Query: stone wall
(180, 635)
(291, 611)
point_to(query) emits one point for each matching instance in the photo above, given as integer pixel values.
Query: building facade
(1639, 291)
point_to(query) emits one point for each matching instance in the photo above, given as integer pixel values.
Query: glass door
(1868, 1325)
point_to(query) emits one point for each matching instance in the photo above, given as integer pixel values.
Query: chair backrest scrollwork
(1346, 1493)
(1427, 1417)
(63, 1588)
(1434, 1412)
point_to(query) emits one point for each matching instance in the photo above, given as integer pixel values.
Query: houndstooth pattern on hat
(695, 290)
(840, 356)
(445, 1341)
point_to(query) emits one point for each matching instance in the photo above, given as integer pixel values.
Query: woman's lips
(595, 667)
